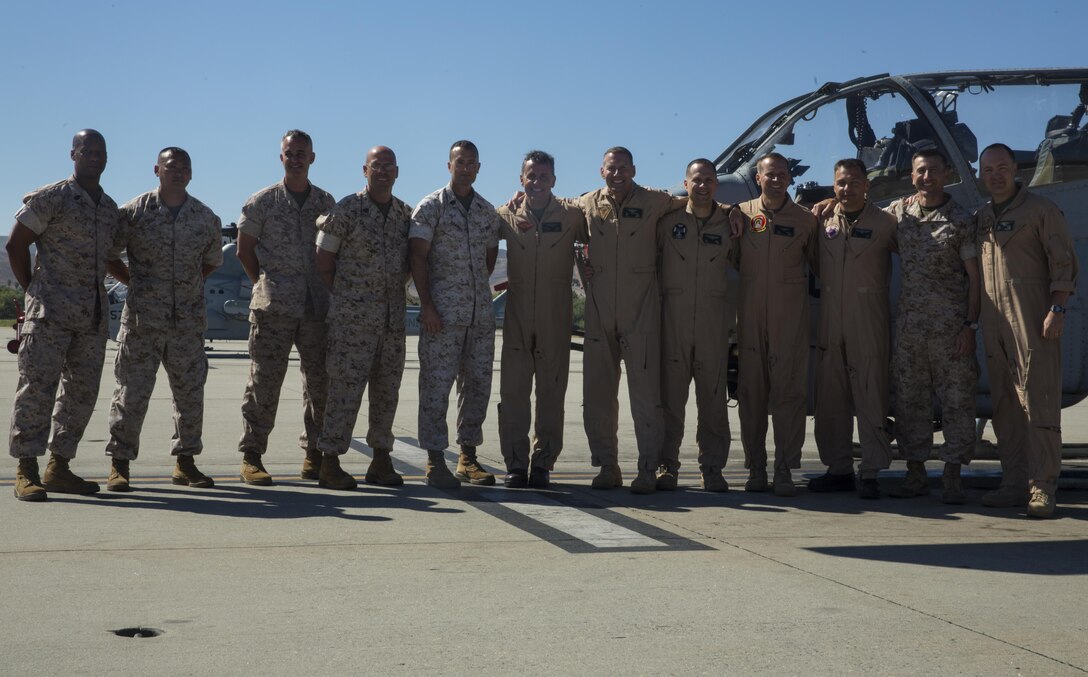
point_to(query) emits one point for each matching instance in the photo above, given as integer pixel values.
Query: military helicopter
(883, 119)
(227, 292)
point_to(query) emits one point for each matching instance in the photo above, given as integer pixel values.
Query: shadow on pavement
(265, 502)
(1042, 558)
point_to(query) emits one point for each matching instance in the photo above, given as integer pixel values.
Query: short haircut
(995, 146)
(620, 150)
(852, 163)
(174, 150)
(539, 156)
(701, 161)
(84, 134)
(773, 156)
(298, 134)
(465, 144)
(930, 153)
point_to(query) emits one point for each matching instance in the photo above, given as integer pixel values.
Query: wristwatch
(1057, 309)
(973, 326)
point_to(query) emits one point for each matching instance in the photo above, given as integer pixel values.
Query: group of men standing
(329, 280)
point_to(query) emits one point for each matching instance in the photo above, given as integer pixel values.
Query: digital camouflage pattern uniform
(164, 318)
(931, 312)
(696, 314)
(366, 317)
(1026, 253)
(288, 308)
(623, 322)
(64, 336)
(465, 348)
(773, 330)
(853, 346)
(536, 330)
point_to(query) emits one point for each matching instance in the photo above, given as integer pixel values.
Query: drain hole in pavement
(137, 633)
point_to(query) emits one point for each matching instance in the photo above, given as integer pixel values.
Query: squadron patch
(524, 226)
(759, 223)
(679, 231)
(1005, 226)
(831, 232)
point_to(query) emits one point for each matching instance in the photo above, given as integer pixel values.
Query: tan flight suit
(852, 348)
(536, 329)
(1025, 254)
(623, 322)
(773, 330)
(694, 332)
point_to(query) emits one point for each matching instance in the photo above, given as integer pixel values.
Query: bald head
(381, 173)
(84, 135)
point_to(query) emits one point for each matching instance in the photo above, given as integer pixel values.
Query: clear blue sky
(672, 81)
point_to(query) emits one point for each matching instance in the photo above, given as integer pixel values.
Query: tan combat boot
(714, 481)
(1041, 505)
(469, 470)
(610, 477)
(58, 477)
(119, 476)
(381, 472)
(915, 484)
(438, 475)
(333, 476)
(666, 480)
(186, 474)
(952, 485)
(28, 485)
(783, 483)
(645, 482)
(311, 466)
(253, 471)
(757, 480)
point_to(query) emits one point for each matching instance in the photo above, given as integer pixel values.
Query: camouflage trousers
(48, 357)
(141, 351)
(711, 398)
(465, 355)
(357, 361)
(270, 340)
(925, 365)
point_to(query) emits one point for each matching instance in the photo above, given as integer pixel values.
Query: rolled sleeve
(29, 218)
(328, 242)
(423, 221)
(249, 223)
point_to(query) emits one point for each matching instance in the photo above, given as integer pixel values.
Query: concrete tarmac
(293, 579)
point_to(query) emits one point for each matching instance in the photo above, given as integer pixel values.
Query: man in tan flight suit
(852, 375)
(1029, 269)
(540, 235)
(623, 320)
(276, 235)
(695, 244)
(773, 325)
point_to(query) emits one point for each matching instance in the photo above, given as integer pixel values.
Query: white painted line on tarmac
(577, 523)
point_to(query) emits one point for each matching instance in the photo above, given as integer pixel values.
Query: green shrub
(7, 295)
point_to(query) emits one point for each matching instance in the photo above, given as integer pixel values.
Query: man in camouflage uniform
(935, 328)
(773, 325)
(363, 259)
(276, 235)
(540, 234)
(855, 266)
(623, 320)
(72, 223)
(1024, 238)
(454, 244)
(173, 244)
(695, 244)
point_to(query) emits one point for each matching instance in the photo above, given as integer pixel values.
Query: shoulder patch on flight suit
(679, 231)
(632, 212)
(551, 227)
(862, 233)
(1005, 226)
(759, 223)
(710, 238)
(784, 230)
